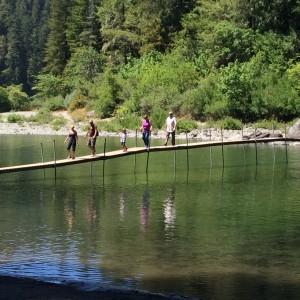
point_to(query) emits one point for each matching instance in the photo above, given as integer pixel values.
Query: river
(191, 226)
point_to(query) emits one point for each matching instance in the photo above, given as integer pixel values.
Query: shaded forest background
(203, 59)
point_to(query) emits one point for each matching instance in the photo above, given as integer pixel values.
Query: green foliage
(230, 123)
(236, 83)
(270, 124)
(48, 86)
(105, 95)
(129, 121)
(44, 116)
(232, 43)
(111, 125)
(158, 119)
(57, 50)
(83, 66)
(55, 103)
(4, 100)
(69, 97)
(14, 118)
(159, 84)
(58, 122)
(18, 99)
(77, 102)
(83, 28)
(184, 125)
(203, 59)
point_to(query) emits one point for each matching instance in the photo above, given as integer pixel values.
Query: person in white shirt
(170, 129)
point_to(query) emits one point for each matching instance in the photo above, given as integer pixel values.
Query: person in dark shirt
(73, 141)
(92, 134)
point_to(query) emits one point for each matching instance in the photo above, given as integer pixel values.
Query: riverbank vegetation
(223, 61)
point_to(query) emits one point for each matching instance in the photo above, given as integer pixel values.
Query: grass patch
(186, 125)
(58, 122)
(229, 123)
(270, 124)
(14, 118)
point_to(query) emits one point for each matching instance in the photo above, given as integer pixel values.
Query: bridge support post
(286, 151)
(54, 154)
(222, 146)
(255, 143)
(42, 154)
(136, 147)
(243, 144)
(210, 148)
(187, 151)
(104, 150)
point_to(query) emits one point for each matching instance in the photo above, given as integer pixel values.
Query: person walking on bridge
(92, 133)
(170, 129)
(73, 141)
(146, 131)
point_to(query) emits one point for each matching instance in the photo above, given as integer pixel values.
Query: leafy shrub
(158, 118)
(58, 122)
(77, 102)
(111, 125)
(130, 121)
(18, 99)
(14, 118)
(269, 124)
(69, 97)
(55, 103)
(230, 123)
(48, 85)
(4, 101)
(185, 125)
(44, 116)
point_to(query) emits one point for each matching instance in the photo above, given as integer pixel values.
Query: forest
(203, 59)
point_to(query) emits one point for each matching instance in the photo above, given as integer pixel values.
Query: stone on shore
(294, 131)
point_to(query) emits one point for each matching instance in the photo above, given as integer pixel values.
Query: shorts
(72, 144)
(91, 142)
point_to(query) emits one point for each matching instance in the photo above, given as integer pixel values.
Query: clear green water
(188, 227)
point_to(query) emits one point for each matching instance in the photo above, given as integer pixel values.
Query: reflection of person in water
(91, 208)
(170, 211)
(144, 211)
(70, 208)
(122, 205)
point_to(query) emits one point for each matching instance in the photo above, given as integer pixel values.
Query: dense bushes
(4, 101)
(219, 63)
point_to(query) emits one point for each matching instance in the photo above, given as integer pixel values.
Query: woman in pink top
(146, 130)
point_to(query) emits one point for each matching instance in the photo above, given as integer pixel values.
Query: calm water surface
(189, 227)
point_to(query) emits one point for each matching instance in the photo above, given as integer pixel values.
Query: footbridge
(138, 150)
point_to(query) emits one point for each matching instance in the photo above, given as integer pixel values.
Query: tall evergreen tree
(39, 29)
(120, 41)
(57, 50)
(83, 28)
(16, 56)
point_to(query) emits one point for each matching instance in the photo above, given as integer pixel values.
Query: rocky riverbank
(205, 134)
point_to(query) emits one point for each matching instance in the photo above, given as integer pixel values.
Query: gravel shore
(204, 134)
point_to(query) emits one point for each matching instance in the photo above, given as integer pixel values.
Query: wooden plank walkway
(133, 151)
